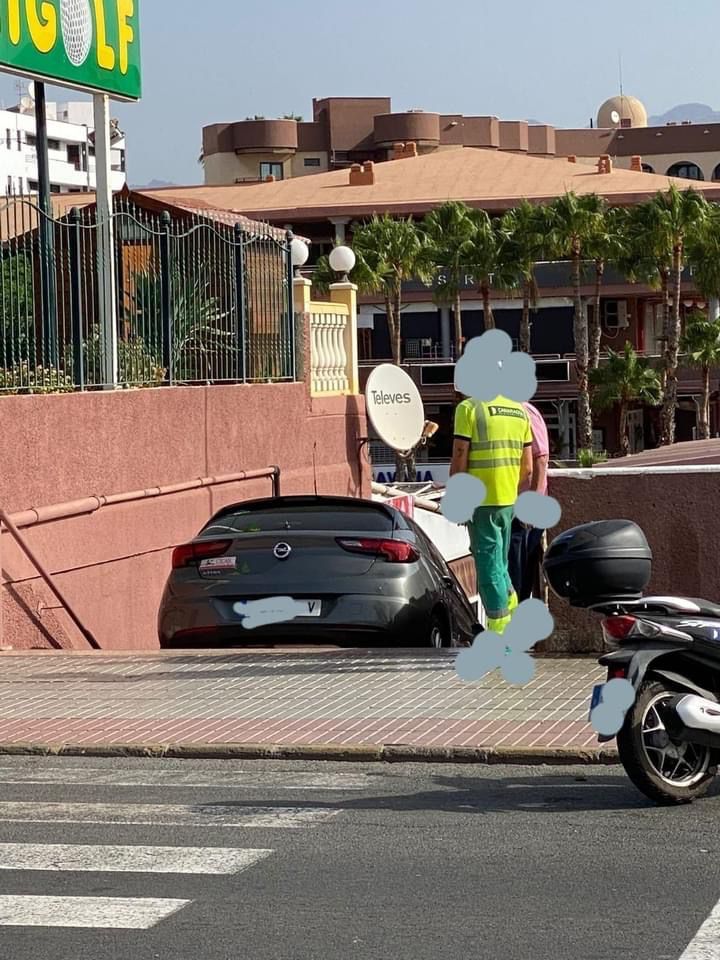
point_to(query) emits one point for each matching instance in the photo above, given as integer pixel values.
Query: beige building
(344, 131)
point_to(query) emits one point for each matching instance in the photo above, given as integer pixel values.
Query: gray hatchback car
(358, 570)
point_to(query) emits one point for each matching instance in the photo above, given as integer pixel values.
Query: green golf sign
(92, 45)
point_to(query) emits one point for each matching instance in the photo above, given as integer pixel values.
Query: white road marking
(110, 913)
(705, 945)
(240, 780)
(163, 815)
(127, 859)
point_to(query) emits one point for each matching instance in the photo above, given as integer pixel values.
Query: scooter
(667, 647)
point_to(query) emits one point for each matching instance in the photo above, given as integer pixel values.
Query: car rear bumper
(207, 623)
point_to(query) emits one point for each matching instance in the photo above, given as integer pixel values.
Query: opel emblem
(282, 551)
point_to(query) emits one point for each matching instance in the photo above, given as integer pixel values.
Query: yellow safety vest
(498, 432)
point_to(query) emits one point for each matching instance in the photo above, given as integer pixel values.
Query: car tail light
(616, 673)
(189, 553)
(394, 551)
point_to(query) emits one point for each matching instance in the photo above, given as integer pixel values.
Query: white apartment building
(71, 149)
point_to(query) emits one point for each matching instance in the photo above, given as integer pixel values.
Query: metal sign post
(45, 233)
(107, 299)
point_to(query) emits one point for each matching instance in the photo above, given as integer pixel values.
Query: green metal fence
(200, 299)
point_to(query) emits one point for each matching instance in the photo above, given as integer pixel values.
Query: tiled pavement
(376, 698)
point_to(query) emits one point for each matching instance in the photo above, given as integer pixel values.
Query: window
(311, 161)
(716, 172)
(686, 171)
(9, 185)
(74, 155)
(19, 140)
(54, 145)
(646, 168)
(31, 140)
(55, 188)
(8, 139)
(33, 186)
(271, 170)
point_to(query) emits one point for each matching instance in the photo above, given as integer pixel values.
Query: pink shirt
(541, 441)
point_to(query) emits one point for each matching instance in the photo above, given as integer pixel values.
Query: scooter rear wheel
(667, 772)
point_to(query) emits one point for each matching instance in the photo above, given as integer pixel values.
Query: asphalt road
(273, 861)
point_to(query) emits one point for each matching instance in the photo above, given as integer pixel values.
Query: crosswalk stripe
(241, 779)
(127, 859)
(705, 945)
(142, 814)
(111, 913)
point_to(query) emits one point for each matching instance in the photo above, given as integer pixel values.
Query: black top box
(599, 562)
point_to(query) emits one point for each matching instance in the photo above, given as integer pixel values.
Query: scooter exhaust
(694, 719)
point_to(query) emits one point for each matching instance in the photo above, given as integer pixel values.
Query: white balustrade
(328, 352)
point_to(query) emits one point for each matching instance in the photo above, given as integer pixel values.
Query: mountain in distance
(155, 185)
(694, 112)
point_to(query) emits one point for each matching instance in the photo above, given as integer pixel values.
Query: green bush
(21, 378)
(588, 458)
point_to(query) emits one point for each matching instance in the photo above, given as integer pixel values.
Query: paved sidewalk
(382, 704)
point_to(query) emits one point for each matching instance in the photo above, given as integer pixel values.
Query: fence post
(166, 299)
(76, 299)
(240, 300)
(291, 305)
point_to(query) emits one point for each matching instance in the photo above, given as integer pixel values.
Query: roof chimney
(572, 158)
(636, 164)
(270, 178)
(605, 164)
(362, 176)
(403, 150)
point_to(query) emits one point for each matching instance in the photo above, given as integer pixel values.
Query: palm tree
(625, 379)
(572, 223)
(449, 232)
(490, 261)
(660, 234)
(603, 246)
(701, 345)
(524, 228)
(390, 252)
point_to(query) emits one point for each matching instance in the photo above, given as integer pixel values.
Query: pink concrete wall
(112, 564)
(680, 517)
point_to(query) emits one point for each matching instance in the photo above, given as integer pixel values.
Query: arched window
(686, 170)
(716, 172)
(647, 168)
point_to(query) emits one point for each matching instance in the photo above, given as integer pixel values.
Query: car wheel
(438, 635)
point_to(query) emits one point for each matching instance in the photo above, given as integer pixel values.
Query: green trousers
(490, 532)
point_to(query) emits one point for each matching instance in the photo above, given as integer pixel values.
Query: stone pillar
(346, 294)
(340, 223)
(445, 332)
(302, 289)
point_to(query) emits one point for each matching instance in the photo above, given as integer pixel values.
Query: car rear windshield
(328, 518)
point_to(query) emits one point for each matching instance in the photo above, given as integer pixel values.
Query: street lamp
(299, 253)
(342, 260)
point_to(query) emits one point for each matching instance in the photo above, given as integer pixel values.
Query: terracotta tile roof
(691, 452)
(19, 216)
(483, 178)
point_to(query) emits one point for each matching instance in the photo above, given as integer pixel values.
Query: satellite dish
(615, 116)
(394, 407)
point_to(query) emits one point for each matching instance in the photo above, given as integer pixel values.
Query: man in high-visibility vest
(493, 442)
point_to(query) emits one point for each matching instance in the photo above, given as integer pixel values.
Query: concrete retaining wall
(112, 563)
(678, 508)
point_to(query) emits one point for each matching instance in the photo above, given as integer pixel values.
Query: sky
(553, 61)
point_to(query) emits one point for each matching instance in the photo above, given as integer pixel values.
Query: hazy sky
(206, 61)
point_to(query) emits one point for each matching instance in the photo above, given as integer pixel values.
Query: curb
(361, 753)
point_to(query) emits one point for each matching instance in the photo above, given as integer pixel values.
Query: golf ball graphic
(77, 30)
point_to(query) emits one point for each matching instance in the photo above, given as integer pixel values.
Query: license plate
(309, 608)
(305, 608)
(596, 698)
